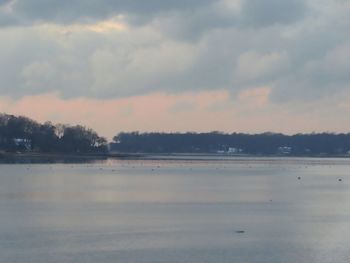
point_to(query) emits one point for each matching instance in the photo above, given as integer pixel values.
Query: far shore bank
(36, 157)
(10, 157)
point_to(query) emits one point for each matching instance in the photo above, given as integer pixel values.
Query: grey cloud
(183, 17)
(324, 76)
(269, 12)
(300, 56)
(192, 23)
(77, 10)
(7, 20)
(3, 2)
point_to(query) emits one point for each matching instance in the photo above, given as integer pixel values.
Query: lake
(180, 210)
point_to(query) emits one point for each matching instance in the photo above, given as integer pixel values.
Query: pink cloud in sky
(145, 113)
(255, 97)
(204, 111)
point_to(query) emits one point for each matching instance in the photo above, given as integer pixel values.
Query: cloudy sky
(184, 65)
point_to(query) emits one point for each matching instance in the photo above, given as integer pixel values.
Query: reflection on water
(234, 210)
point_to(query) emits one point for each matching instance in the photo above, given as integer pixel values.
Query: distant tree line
(238, 143)
(23, 134)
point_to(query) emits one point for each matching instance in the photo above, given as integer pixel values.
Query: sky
(186, 65)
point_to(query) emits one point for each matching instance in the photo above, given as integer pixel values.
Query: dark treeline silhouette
(235, 143)
(23, 134)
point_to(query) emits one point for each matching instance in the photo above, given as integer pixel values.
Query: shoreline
(6, 157)
(32, 157)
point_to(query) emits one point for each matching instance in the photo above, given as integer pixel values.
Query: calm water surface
(233, 210)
